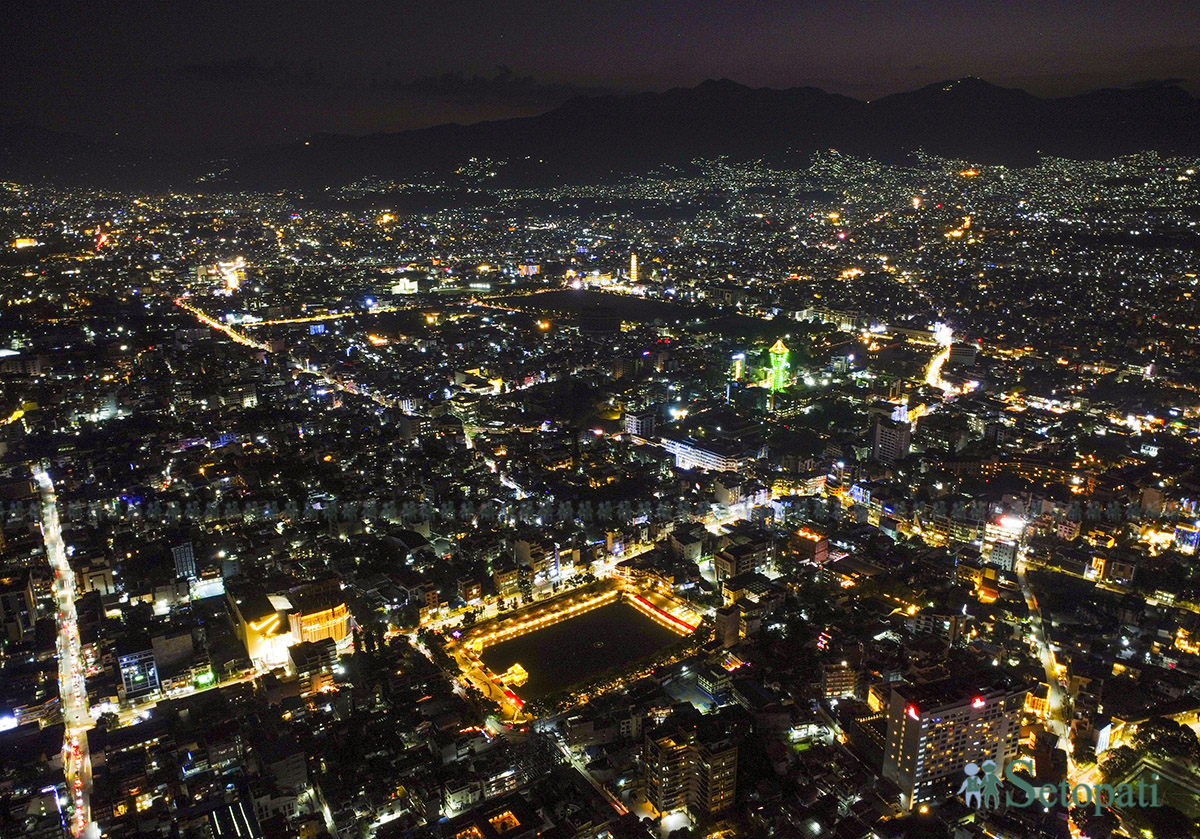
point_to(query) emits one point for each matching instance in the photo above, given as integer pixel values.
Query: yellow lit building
(268, 625)
(260, 626)
(1037, 701)
(514, 676)
(1186, 641)
(318, 624)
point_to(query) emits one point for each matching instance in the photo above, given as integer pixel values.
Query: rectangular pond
(577, 649)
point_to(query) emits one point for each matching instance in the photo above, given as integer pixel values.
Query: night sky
(230, 74)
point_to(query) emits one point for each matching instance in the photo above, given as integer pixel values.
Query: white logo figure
(972, 788)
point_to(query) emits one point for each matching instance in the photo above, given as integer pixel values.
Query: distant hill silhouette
(590, 137)
(29, 154)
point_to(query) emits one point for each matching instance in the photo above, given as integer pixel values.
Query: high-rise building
(889, 440)
(686, 769)
(934, 730)
(633, 268)
(739, 367)
(1003, 554)
(185, 561)
(728, 625)
(838, 679)
(640, 423)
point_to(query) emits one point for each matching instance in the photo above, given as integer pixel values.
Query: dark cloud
(252, 71)
(502, 87)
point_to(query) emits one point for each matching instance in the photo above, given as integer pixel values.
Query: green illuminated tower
(779, 365)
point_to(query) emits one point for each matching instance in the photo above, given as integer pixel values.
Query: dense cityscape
(845, 501)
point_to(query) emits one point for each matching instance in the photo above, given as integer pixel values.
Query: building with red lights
(934, 730)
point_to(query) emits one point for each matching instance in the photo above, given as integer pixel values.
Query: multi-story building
(889, 440)
(838, 679)
(469, 589)
(950, 625)
(507, 576)
(139, 674)
(331, 620)
(934, 730)
(1187, 537)
(319, 615)
(270, 623)
(809, 546)
(511, 817)
(640, 424)
(185, 560)
(728, 625)
(686, 769)
(312, 662)
(715, 681)
(259, 624)
(539, 555)
(1003, 554)
(736, 560)
(716, 456)
(943, 432)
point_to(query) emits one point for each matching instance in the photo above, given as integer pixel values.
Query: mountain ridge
(602, 135)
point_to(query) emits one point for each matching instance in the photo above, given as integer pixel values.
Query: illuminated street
(72, 690)
(1056, 718)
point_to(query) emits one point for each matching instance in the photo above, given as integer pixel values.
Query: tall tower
(633, 268)
(779, 366)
